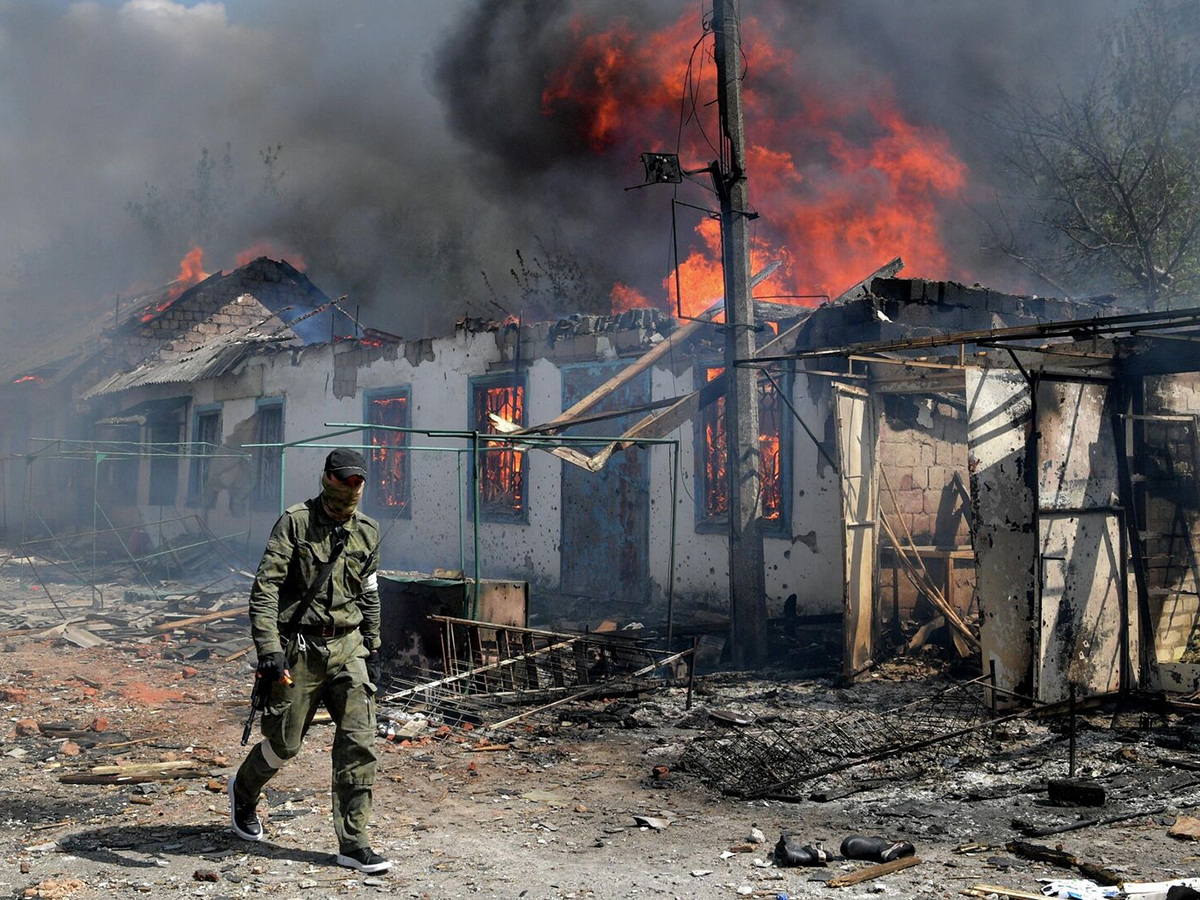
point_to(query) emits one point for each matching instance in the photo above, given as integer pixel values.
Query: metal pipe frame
(475, 438)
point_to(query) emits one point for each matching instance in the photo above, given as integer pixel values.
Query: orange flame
(273, 250)
(624, 297)
(716, 454)
(843, 183)
(191, 272)
(502, 469)
(29, 379)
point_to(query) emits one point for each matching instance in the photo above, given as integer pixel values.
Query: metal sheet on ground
(857, 445)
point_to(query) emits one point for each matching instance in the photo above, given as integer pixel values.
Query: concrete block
(939, 477)
(911, 501)
(904, 455)
(928, 456)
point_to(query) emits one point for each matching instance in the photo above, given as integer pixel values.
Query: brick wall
(1172, 517)
(922, 444)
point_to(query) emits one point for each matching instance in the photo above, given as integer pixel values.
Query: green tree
(1108, 176)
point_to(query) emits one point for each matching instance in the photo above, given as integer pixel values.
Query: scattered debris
(55, 889)
(1186, 828)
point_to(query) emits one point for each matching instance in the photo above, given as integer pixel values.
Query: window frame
(719, 524)
(170, 463)
(372, 499)
(259, 498)
(486, 513)
(195, 488)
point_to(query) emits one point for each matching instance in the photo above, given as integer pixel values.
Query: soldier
(314, 616)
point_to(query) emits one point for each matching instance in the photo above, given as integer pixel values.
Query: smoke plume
(399, 150)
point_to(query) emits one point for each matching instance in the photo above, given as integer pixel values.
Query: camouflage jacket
(300, 544)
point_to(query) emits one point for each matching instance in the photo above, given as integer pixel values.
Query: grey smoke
(414, 150)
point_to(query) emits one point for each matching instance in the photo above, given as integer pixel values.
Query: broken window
(502, 470)
(119, 473)
(713, 457)
(206, 438)
(388, 465)
(267, 459)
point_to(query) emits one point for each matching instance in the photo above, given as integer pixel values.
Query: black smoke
(402, 149)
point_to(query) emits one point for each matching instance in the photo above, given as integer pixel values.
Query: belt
(326, 631)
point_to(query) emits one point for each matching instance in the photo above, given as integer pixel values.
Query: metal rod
(475, 520)
(1071, 745)
(458, 491)
(95, 524)
(1096, 325)
(692, 671)
(510, 438)
(282, 477)
(992, 673)
(129, 553)
(671, 554)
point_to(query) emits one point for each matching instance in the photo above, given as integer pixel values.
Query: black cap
(343, 463)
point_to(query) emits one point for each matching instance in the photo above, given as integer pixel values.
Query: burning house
(880, 470)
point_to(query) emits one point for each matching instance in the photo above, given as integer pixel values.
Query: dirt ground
(551, 817)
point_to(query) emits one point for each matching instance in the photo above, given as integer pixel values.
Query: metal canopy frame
(475, 446)
(99, 452)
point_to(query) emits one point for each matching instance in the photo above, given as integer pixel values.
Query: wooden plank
(503, 653)
(205, 619)
(872, 872)
(531, 666)
(988, 890)
(581, 660)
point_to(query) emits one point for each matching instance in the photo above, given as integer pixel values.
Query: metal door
(605, 549)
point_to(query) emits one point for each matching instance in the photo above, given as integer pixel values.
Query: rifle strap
(339, 544)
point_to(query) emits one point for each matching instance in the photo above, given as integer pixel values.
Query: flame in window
(389, 459)
(716, 453)
(502, 472)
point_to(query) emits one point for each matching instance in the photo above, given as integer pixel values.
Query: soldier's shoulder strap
(323, 574)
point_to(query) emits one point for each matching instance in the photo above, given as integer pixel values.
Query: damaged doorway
(857, 446)
(606, 514)
(1082, 584)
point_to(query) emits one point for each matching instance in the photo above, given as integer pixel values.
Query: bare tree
(1108, 177)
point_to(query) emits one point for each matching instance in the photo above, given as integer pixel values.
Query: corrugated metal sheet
(210, 361)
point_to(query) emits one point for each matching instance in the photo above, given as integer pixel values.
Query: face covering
(339, 500)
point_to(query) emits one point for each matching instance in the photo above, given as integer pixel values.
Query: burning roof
(175, 321)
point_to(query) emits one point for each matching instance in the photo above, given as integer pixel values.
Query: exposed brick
(939, 477)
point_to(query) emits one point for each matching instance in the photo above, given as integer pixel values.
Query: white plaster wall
(808, 563)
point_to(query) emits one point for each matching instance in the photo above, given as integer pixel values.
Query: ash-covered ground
(552, 814)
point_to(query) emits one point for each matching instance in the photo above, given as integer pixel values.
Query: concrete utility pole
(747, 600)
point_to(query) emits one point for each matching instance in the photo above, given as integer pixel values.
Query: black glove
(272, 666)
(375, 668)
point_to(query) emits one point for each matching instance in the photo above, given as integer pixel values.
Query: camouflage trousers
(334, 672)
